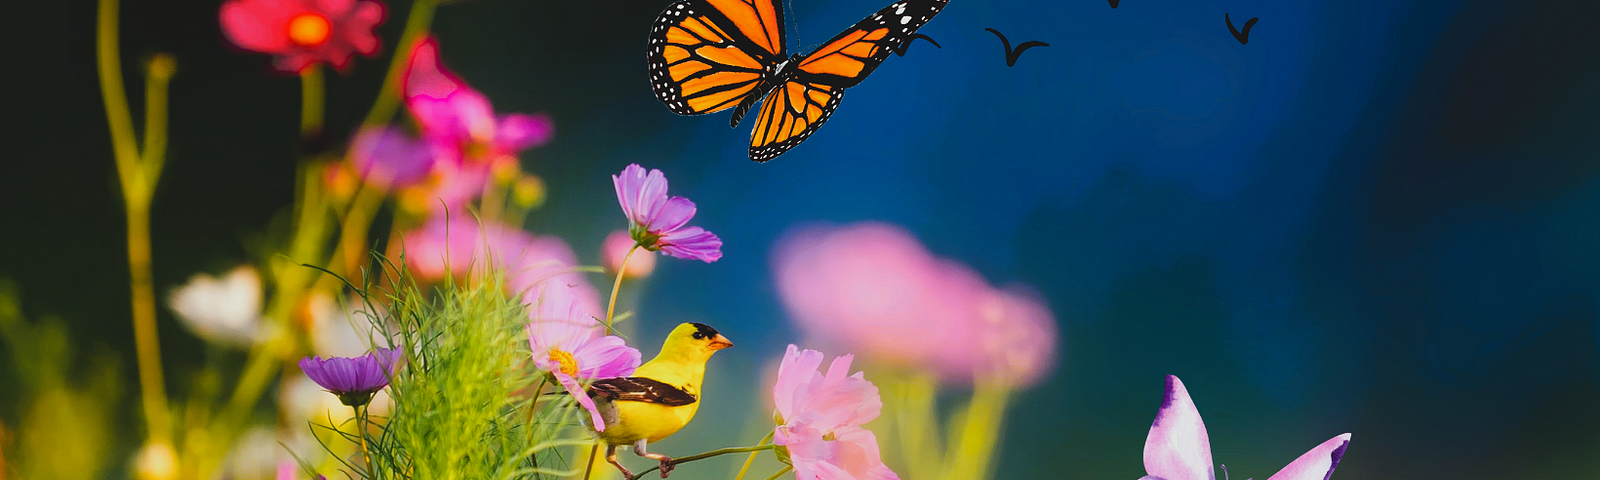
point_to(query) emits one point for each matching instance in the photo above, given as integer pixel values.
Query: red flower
(304, 32)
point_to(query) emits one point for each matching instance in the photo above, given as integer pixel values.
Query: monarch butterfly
(710, 55)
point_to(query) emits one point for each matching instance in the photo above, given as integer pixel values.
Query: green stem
(979, 430)
(617, 286)
(786, 469)
(361, 423)
(703, 456)
(388, 100)
(311, 100)
(752, 457)
(138, 179)
(589, 467)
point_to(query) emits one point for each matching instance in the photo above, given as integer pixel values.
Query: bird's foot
(666, 465)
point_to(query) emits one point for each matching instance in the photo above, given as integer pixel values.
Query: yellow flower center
(569, 365)
(309, 29)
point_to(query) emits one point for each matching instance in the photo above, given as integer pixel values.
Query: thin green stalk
(752, 457)
(786, 469)
(389, 96)
(617, 286)
(138, 179)
(312, 93)
(978, 432)
(361, 424)
(703, 456)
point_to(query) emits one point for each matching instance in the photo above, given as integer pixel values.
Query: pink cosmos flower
(1178, 448)
(615, 249)
(567, 340)
(462, 247)
(1016, 338)
(659, 222)
(873, 288)
(822, 414)
(302, 33)
(462, 141)
(457, 118)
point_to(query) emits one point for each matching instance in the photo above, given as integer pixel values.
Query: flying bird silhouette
(1242, 37)
(1114, 3)
(901, 50)
(1011, 55)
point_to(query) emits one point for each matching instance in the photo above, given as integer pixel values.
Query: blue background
(1377, 217)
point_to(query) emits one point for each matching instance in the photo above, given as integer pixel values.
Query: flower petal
(675, 212)
(795, 375)
(1178, 447)
(693, 243)
(583, 399)
(1317, 464)
(518, 132)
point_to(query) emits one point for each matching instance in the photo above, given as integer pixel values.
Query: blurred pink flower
(659, 222)
(1017, 337)
(822, 415)
(390, 159)
(872, 288)
(567, 340)
(1179, 449)
(616, 248)
(462, 247)
(302, 33)
(467, 141)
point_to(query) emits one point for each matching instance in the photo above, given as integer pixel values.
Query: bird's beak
(720, 342)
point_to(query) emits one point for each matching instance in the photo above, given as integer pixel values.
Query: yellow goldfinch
(660, 398)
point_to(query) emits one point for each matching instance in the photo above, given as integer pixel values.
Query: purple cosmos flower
(390, 159)
(1178, 448)
(353, 379)
(658, 222)
(568, 341)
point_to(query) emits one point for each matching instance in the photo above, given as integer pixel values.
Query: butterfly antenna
(794, 24)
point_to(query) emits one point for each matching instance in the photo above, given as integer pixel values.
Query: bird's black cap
(704, 331)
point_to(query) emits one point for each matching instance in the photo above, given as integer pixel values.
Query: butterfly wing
(707, 55)
(852, 55)
(800, 105)
(789, 114)
(1178, 447)
(1317, 464)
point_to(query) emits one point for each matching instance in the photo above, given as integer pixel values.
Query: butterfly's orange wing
(789, 114)
(707, 55)
(849, 57)
(795, 109)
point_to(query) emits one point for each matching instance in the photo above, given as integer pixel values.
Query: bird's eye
(698, 335)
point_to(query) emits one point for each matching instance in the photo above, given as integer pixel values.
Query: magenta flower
(458, 120)
(568, 340)
(353, 379)
(302, 33)
(658, 222)
(821, 417)
(1178, 448)
(464, 142)
(1017, 337)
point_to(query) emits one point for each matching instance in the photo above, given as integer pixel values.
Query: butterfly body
(709, 55)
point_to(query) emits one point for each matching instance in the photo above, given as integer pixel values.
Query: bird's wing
(641, 389)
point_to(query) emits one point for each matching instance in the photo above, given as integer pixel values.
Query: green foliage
(53, 413)
(465, 399)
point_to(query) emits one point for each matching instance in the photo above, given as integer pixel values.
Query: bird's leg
(611, 457)
(666, 461)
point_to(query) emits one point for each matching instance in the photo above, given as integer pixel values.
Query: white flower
(224, 310)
